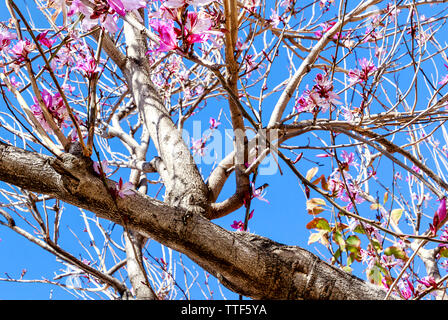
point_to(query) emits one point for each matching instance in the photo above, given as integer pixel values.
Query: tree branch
(248, 264)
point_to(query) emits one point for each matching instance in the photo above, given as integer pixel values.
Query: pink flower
(352, 193)
(78, 6)
(65, 57)
(15, 83)
(323, 155)
(214, 123)
(22, 48)
(37, 111)
(368, 256)
(259, 193)
(55, 106)
(123, 190)
(199, 2)
(88, 66)
(167, 34)
(130, 5)
(118, 6)
(251, 5)
(68, 87)
(393, 12)
(275, 18)
(285, 3)
(121, 7)
(444, 236)
(197, 27)
(109, 22)
(198, 146)
(238, 225)
(428, 282)
(406, 288)
(6, 37)
(321, 95)
(103, 166)
(42, 38)
(362, 75)
(439, 217)
(325, 27)
(349, 158)
(174, 4)
(371, 35)
(324, 4)
(445, 78)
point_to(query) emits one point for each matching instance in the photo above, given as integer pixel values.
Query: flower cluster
(362, 75)
(88, 66)
(103, 11)
(325, 27)
(408, 290)
(55, 106)
(179, 29)
(5, 38)
(319, 98)
(21, 49)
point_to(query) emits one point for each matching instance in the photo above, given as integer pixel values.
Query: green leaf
(377, 245)
(374, 275)
(339, 239)
(359, 229)
(336, 256)
(353, 244)
(319, 223)
(354, 256)
(443, 252)
(397, 252)
(396, 215)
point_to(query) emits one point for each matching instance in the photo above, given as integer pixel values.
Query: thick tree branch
(185, 185)
(246, 263)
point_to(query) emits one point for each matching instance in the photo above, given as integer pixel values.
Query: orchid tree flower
(439, 217)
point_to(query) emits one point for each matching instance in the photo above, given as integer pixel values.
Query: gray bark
(184, 184)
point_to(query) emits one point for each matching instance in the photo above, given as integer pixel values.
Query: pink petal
(118, 6)
(441, 211)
